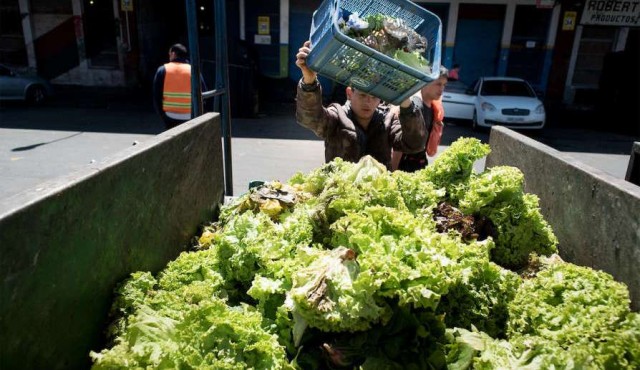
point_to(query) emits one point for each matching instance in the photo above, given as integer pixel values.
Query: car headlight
(487, 107)
(539, 109)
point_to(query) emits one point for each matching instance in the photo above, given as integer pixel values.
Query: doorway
(100, 32)
(528, 43)
(477, 45)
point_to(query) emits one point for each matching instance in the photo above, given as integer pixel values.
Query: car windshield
(455, 86)
(506, 88)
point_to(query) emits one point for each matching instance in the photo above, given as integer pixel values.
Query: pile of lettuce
(354, 267)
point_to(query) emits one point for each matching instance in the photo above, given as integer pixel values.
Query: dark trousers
(170, 122)
(413, 162)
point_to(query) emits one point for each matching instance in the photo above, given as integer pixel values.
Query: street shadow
(86, 109)
(33, 146)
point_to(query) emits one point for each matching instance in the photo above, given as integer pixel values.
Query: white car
(503, 101)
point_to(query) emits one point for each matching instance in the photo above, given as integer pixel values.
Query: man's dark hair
(180, 50)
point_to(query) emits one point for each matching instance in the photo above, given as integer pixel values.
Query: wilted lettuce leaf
(413, 59)
(209, 335)
(328, 295)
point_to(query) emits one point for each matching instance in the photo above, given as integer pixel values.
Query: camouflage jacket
(346, 139)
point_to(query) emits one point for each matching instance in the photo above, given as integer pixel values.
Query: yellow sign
(263, 25)
(126, 5)
(569, 21)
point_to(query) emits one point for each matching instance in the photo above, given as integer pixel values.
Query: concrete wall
(66, 244)
(595, 216)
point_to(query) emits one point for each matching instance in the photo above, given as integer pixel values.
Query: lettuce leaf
(413, 59)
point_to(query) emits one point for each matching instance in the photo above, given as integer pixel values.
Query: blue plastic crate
(349, 62)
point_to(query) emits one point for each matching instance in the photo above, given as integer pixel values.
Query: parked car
(504, 101)
(15, 86)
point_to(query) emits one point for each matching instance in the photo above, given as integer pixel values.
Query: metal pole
(126, 17)
(222, 83)
(194, 56)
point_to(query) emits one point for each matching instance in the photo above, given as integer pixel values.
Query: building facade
(566, 49)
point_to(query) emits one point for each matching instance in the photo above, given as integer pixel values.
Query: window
(594, 44)
(12, 49)
(10, 20)
(527, 50)
(100, 31)
(506, 88)
(51, 6)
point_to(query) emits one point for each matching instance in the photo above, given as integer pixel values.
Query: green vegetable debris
(354, 267)
(388, 35)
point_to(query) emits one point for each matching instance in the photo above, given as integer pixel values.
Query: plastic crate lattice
(347, 61)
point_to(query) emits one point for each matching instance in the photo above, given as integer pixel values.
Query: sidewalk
(610, 122)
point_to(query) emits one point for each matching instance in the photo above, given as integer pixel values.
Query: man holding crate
(359, 127)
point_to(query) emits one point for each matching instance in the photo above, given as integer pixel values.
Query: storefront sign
(262, 39)
(126, 5)
(569, 21)
(624, 13)
(263, 25)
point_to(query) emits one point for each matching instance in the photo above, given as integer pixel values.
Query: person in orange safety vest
(172, 88)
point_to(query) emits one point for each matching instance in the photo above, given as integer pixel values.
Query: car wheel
(36, 95)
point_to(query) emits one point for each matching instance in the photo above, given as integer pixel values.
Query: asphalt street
(80, 127)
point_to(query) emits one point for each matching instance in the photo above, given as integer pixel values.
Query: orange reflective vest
(176, 91)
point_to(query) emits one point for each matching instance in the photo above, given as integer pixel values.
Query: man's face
(172, 55)
(434, 89)
(362, 104)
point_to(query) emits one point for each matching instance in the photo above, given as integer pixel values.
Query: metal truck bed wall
(66, 245)
(595, 216)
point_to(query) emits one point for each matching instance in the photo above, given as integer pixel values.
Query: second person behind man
(429, 99)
